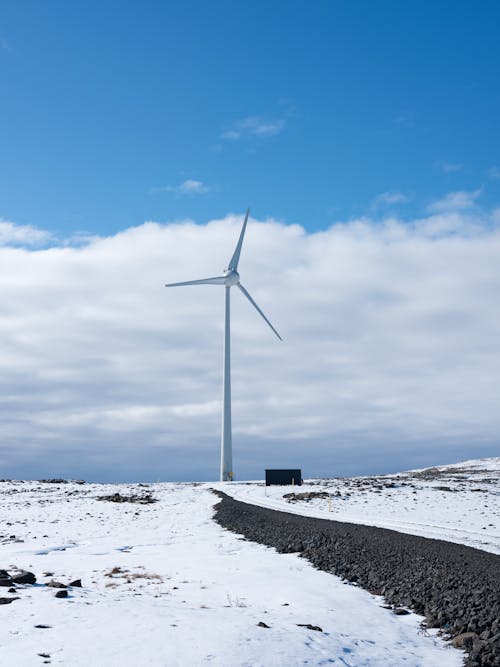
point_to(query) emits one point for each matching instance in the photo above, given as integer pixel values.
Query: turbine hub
(232, 277)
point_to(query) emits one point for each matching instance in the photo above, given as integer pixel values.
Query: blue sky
(119, 112)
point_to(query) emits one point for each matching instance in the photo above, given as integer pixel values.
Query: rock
(77, 583)
(55, 584)
(399, 611)
(307, 496)
(44, 655)
(24, 578)
(4, 576)
(145, 499)
(62, 593)
(460, 641)
(310, 627)
(12, 590)
(261, 624)
(8, 600)
(41, 626)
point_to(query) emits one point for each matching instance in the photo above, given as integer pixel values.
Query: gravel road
(455, 587)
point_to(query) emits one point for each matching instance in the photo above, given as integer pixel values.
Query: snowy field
(164, 585)
(459, 503)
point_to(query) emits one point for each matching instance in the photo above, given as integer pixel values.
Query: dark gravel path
(455, 587)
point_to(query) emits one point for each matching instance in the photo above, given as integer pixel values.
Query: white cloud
(253, 126)
(231, 135)
(450, 167)
(390, 359)
(188, 187)
(264, 129)
(13, 234)
(390, 198)
(456, 201)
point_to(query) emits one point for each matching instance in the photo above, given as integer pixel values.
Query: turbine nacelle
(231, 277)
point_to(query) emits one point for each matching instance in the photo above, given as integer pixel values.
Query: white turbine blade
(257, 308)
(233, 264)
(218, 280)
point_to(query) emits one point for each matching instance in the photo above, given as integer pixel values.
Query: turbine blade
(218, 280)
(258, 309)
(233, 264)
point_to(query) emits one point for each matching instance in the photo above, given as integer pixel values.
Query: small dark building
(284, 477)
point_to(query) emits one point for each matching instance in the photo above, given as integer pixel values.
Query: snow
(410, 502)
(164, 585)
(491, 464)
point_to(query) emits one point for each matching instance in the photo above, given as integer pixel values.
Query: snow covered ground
(459, 503)
(164, 585)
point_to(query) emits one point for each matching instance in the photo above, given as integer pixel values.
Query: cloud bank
(391, 356)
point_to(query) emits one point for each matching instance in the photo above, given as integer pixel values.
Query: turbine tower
(229, 278)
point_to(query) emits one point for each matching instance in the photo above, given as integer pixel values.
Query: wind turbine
(229, 278)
